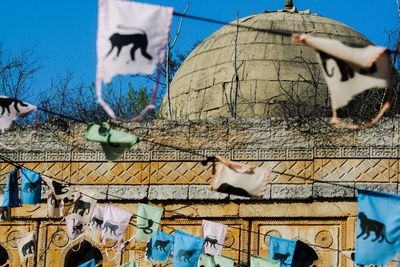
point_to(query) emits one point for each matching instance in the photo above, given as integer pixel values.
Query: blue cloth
(31, 187)
(378, 226)
(187, 249)
(160, 246)
(10, 198)
(91, 263)
(281, 250)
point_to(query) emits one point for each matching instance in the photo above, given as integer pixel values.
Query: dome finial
(289, 4)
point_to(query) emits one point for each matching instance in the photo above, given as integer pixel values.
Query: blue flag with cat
(378, 227)
(10, 198)
(31, 187)
(281, 250)
(187, 249)
(159, 247)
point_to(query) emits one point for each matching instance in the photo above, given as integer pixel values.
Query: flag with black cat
(116, 221)
(259, 261)
(214, 235)
(350, 71)
(187, 249)
(10, 198)
(114, 143)
(282, 250)
(26, 246)
(74, 227)
(59, 190)
(11, 109)
(239, 179)
(213, 261)
(378, 227)
(131, 39)
(159, 247)
(31, 187)
(147, 221)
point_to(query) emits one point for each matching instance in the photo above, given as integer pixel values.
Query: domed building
(228, 98)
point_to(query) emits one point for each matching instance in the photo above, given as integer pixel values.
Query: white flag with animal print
(214, 237)
(84, 204)
(74, 227)
(131, 37)
(115, 222)
(11, 109)
(26, 245)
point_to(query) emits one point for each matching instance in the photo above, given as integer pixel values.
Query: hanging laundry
(55, 207)
(130, 264)
(378, 227)
(91, 263)
(239, 179)
(10, 198)
(74, 227)
(159, 247)
(258, 261)
(304, 255)
(11, 109)
(114, 143)
(116, 221)
(26, 246)
(214, 235)
(282, 250)
(131, 39)
(147, 221)
(350, 71)
(31, 187)
(187, 249)
(84, 204)
(215, 261)
(59, 190)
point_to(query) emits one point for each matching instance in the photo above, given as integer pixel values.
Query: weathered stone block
(382, 187)
(291, 191)
(168, 192)
(323, 190)
(204, 192)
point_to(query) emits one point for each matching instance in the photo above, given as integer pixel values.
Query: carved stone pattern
(356, 152)
(334, 152)
(324, 239)
(179, 173)
(384, 152)
(289, 169)
(273, 153)
(58, 156)
(229, 239)
(60, 238)
(137, 155)
(32, 156)
(271, 233)
(12, 238)
(223, 153)
(371, 170)
(300, 154)
(244, 154)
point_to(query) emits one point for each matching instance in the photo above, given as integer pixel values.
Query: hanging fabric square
(31, 187)
(55, 207)
(282, 250)
(11, 109)
(131, 39)
(116, 221)
(258, 261)
(147, 221)
(91, 263)
(27, 246)
(214, 235)
(84, 204)
(187, 249)
(213, 261)
(378, 227)
(114, 143)
(350, 71)
(10, 198)
(130, 264)
(159, 247)
(304, 255)
(239, 179)
(74, 227)
(59, 190)
(96, 222)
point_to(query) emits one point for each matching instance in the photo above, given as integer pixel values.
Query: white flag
(214, 237)
(115, 222)
(27, 245)
(74, 227)
(11, 109)
(84, 204)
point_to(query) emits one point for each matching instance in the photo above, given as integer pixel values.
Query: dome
(245, 73)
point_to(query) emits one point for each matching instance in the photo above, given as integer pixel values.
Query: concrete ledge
(286, 191)
(324, 190)
(204, 192)
(166, 192)
(383, 187)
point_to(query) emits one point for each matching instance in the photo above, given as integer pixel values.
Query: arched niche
(82, 252)
(4, 257)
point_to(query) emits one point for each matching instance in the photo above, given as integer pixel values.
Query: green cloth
(130, 264)
(212, 261)
(114, 143)
(148, 221)
(258, 261)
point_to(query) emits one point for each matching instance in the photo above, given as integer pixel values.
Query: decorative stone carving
(60, 238)
(229, 239)
(324, 239)
(271, 233)
(12, 238)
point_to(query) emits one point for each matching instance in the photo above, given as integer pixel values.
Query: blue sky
(63, 33)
